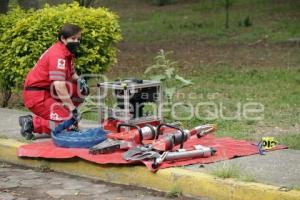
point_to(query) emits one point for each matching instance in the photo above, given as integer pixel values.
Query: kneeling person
(50, 89)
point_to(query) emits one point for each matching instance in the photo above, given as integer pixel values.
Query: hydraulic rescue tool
(131, 111)
(161, 149)
(150, 134)
(146, 153)
(126, 140)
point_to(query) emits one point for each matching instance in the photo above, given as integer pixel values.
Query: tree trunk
(227, 13)
(3, 6)
(85, 3)
(6, 94)
(26, 4)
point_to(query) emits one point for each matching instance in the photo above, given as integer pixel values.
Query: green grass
(3, 136)
(277, 90)
(175, 192)
(205, 20)
(227, 171)
(23, 140)
(44, 167)
(291, 140)
(295, 187)
(4, 165)
(232, 171)
(90, 116)
(247, 178)
(143, 22)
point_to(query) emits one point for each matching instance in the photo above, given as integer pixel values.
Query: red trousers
(47, 107)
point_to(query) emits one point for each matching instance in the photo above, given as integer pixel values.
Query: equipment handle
(173, 127)
(132, 126)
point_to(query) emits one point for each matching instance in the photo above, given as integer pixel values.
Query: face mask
(73, 47)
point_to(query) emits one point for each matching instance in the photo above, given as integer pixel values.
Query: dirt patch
(133, 58)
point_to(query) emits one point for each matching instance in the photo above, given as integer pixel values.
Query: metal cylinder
(205, 152)
(148, 133)
(178, 137)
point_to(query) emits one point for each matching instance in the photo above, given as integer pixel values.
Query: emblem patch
(61, 63)
(55, 117)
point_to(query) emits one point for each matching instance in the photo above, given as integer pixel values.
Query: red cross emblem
(61, 63)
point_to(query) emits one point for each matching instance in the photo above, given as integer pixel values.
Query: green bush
(24, 40)
(7, 22)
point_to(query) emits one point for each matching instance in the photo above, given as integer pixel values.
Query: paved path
(26, 184)
(279, 168)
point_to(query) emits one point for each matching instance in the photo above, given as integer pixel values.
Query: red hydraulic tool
(146, 153)
(133, 138)
(135, 123)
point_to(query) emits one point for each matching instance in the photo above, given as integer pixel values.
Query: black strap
(29, 88)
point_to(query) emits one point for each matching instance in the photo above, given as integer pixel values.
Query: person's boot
(26, 127)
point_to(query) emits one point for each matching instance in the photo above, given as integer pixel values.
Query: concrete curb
(190, 183)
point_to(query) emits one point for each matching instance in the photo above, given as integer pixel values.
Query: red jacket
(56, 64)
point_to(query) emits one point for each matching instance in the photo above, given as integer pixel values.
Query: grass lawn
(205, 19)
(275, 91)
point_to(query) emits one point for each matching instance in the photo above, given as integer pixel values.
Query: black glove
(76, 115)
(83, 87)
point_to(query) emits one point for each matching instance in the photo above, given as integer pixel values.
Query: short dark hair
(68, 30)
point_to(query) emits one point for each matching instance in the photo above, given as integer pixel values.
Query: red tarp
(226, 147)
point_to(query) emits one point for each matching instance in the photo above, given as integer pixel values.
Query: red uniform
(56, 64)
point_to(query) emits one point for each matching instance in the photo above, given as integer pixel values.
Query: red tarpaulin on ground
(226, 147)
